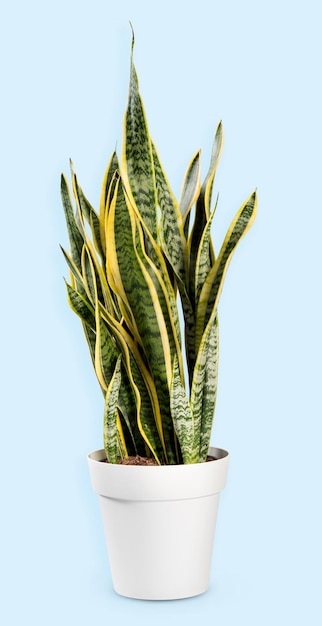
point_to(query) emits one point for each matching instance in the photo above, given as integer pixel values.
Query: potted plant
(130, 264)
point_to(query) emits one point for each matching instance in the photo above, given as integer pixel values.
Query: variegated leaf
(111, 415)
(107, 192)
(76, 238)
(190, 190)
(182, 415)
(164, 294)
(89, 214)
(203, 260)
(206, 189)
(189, 326)
(123, 451)
(160, 274)
(212, 287)
(81, 306)
(126, 264)
(131, 277)
(90, 336)
(107, 349)
(147, 404)
(204, 389)
(202, 213)
(75, 275)
(172, 235)
(105, 352)
(127, 405)
(88, 274)
(137, 160)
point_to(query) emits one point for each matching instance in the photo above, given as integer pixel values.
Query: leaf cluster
(130, 262)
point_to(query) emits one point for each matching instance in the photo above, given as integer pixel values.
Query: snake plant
(130, 263)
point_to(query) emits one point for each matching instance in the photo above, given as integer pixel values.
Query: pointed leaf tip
(71, 165)
(133, 38)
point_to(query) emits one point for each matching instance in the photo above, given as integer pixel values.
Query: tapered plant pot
(159, 524)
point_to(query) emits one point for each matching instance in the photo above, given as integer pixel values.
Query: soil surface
(137, 460)
(142, 460)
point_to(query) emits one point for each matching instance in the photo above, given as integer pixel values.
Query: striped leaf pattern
(129, 264)
(204, 389)
(206, 190)
(182, 415)
(213, 284)
(172, 235)
(137, 156)
(81, 306)
(203, 259)
(76, 239)
(152, 328)
(111, 415)
(108, 188)
(86, 210)
(147, 410)
(190, 190)
(202, 214)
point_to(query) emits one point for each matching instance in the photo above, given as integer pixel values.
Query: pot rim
(158, 482)
(215, 453)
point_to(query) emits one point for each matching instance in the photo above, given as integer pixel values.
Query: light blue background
(64, 77)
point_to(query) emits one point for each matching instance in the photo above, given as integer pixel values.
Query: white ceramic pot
(159, 524)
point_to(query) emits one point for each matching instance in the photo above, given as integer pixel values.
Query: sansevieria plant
(129, 263)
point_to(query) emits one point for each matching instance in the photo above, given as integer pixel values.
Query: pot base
(160, 550)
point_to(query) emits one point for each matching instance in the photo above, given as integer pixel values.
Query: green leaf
(76, 238)
(204, 389)
(137, 160)
(189, 326)
(75, 274)
(90, 336)
(148, 415)
(111, 414)
(128, 416)
(182, 415)
(107, 192)
(89, 214)
(147, 404)
(159, 272)
(202, 213)
(203, 260)
(127, 264)
(163, 293)
(81, 306)
(172, 235)
(190, 190)
(131, 277)
(212, 287)
(88, 274)
(105, 352)
(206, 189)
(108, 184)
(134, 399)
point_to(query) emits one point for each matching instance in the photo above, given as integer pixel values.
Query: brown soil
(142, 460)
(137, 460)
